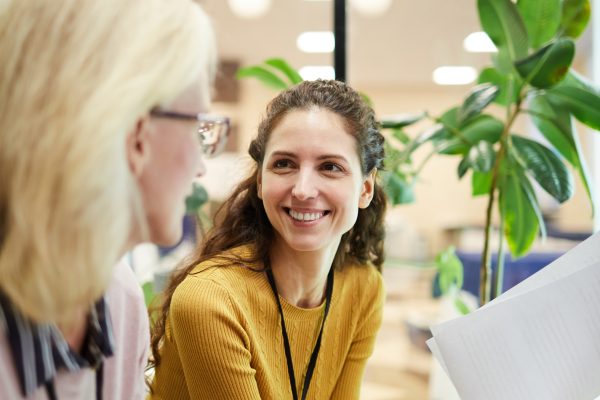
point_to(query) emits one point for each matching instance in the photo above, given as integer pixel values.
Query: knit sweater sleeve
(363, 342)
(212, 343)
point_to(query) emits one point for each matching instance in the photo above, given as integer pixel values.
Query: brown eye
(281, 164)
(332, 167)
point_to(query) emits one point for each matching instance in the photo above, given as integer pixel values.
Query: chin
(306, 246)
(167, 238)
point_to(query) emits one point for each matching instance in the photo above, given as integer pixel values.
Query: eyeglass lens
(213, 138)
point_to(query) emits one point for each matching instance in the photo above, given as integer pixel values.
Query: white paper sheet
(540, 340)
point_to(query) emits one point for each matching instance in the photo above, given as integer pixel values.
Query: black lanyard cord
(51, 391)
(288, 353)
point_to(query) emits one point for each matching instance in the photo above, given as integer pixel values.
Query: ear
(137, 146)
(368, 189)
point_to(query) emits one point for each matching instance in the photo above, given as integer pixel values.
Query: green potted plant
(530, 76)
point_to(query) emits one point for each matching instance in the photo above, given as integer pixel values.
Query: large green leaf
(283, 66)
(450, 118)
(449, 127)
(478, 99)
(398, 190)
(481, 183)
(433, 133)
(554, 123)
(264, 75)
(581, 100)
(520, 220)
(463, 167)
(549, 65)
(542, 19)
(502, 22)
(503, 61)
(547, 169)
(480, 158)
(482, 127)
(535, 205)
(573, 78)
(401, 120)
(575, 17)
(507, 84)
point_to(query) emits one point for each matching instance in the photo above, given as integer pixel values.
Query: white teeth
(305, 216)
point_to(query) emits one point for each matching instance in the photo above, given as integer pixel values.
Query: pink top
(123, 372)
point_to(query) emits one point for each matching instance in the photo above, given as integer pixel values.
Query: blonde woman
(102, 106)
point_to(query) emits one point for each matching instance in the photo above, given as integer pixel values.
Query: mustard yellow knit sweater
(224, 339)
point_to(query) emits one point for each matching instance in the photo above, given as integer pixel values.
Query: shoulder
(216, 282)
(361, 287)
(125, 298)
(126, 303)
(363, 277)
(124, 290)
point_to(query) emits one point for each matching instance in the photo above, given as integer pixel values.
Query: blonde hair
(75, 76)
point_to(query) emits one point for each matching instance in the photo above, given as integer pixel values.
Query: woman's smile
(306, 216)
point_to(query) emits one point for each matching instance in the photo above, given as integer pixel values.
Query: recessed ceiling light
(249, 8)
(313, 72)
(316, 42)
(454, 75)
(479, 42)
(371, 8)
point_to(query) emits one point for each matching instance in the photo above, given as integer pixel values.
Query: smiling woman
(284, 297)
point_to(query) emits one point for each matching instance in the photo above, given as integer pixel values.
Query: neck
(301, 277)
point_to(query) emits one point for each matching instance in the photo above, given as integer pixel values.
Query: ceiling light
(371, 8)
(249, 8)
(479, 42)
(313, 72)
(455, 75)
(316, 42)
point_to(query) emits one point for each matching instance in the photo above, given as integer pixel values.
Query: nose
(200, 167)
(304, 186)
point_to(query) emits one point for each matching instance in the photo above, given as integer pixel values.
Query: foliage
(275, 73)
(530, 75)
(449, 279)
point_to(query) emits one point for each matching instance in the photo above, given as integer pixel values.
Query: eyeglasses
(213, 130)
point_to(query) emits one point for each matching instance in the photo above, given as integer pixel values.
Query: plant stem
(499, 287)
(485, 277)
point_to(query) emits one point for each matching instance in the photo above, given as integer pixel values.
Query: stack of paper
(539, 340)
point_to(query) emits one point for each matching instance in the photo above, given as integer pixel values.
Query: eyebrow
(321, 157)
